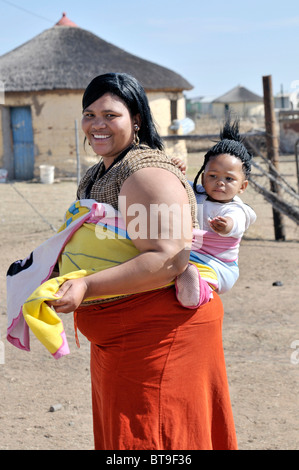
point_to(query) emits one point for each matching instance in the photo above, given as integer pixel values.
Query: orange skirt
(158, 374)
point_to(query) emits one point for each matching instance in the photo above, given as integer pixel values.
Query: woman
(157, 369)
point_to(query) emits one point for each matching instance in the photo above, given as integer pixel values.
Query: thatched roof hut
(239, 94)
(240, 100)
(44, 80)
(68, 57)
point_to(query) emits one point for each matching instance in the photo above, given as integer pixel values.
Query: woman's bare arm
(155, 207)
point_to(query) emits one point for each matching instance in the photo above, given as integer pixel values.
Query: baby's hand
(180, 164)
(221, 224)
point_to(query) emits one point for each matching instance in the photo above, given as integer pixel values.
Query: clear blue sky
(214, 44)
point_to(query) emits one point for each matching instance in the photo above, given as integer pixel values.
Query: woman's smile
(101, 137)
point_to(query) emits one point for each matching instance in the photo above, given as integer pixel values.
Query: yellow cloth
(43, 320)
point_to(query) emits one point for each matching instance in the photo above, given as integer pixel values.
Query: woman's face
(109, 127)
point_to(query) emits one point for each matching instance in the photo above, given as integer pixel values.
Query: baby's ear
(243, 186)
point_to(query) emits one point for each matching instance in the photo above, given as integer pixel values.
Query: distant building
(287, 113)
(282, 101)
(44, 80)
(199, 106)
(288, 101)
(240, 101)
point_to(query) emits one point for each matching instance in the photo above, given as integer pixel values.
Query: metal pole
(77, 152)
(272, 151)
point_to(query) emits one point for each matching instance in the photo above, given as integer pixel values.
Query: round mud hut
(43, 82)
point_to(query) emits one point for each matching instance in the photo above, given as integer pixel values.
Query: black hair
(231, 143)
(132, 93)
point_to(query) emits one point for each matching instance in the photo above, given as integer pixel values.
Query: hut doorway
(23, 145)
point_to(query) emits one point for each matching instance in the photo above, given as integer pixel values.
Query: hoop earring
(136, 139)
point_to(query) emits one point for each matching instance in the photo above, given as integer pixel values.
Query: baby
(223, 218)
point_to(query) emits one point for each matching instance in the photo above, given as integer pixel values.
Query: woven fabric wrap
(106, 188)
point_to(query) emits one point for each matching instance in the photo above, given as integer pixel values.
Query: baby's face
(223, 178)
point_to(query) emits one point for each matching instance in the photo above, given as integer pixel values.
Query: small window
(173, 109)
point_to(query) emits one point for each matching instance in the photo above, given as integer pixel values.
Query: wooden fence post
(272, 151)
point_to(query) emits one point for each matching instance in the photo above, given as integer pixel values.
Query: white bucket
(3, 175)
(47, 174)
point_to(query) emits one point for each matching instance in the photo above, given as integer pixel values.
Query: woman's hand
(71, 293)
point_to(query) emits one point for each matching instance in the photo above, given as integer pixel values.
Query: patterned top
(105, 185)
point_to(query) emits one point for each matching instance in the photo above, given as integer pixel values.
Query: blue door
(22, 134)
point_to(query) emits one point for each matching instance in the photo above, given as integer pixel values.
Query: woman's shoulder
(144, 157)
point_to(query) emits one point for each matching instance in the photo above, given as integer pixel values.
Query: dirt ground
(260, 334)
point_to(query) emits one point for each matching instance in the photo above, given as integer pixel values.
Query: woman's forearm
(146, 271)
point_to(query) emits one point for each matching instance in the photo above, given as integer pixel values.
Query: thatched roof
(68, 57)
(239, 94)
